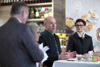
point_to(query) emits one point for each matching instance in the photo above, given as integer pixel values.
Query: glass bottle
(46, 12)
(1, 3)
(42, 12)
(37, 13)
(31, 13)
(26, 1)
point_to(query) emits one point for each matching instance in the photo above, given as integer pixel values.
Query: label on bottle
(45, 15)
(37, 14)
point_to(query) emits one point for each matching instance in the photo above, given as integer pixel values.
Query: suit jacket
(48, 40)
(17, 45)
(81, 46)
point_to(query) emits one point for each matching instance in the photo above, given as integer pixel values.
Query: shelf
(6, 9)
(36, 20)
(38, 4)
(41, 4)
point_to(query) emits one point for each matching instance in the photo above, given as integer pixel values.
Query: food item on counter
(79, 57)
(69, 22)
(84, 16)
(98, 58)
(93, 15)
(98, 34)
(91, 11)
(89, 27)
(94, 58)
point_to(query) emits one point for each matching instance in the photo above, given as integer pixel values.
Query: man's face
(25, 15)
(51, 25)
(80, 27)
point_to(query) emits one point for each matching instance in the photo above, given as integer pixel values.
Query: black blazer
(48, 40)
(17, 45)
(81, 46)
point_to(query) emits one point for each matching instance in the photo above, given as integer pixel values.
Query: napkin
(44, 49)
(89, 55)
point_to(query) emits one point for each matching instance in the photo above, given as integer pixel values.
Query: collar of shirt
(49, 32)
(80, 35)
(19, 20)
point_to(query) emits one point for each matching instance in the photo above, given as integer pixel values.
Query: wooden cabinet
(5, 11)
(48, 4)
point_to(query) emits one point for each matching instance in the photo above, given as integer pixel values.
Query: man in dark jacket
(48, 38)
(17, 45)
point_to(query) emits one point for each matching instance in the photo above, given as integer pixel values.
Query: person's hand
(84, 55)
(40, 64)
(72, 54)
(64, 55)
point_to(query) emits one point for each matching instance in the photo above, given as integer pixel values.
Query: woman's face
(80, 27)
(38, 35)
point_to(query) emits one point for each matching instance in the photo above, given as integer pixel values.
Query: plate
(71, 59)
(93, 16)
(69, 23)
(84, 16)
(89, 27)
(98, 34)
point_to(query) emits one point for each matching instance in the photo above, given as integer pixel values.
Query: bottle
(44, 1)
(8, 2)
(1, 3)
(32, 1)
(47, 0)
(37, 13)
(58, 34)
(17, 0)
(42, 12)
(14, 1)
(41, 1)
(50, 0)
(26, 1)
(46, 13)
(11, 2)
(21, 0)
(35, 1)
(64, 37)
(29, 1)
(38, 1)
(50, 12)
(31, 13)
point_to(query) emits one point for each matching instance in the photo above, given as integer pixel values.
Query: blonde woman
(35, 31)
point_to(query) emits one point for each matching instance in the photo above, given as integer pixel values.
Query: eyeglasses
(79, 25)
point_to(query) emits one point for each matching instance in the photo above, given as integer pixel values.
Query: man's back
(17, 48)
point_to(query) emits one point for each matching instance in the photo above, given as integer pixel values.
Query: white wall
(85, 6)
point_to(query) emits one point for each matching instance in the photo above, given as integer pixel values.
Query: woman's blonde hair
(34, 28)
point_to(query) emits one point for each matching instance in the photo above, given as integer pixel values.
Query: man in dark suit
(17, 45)
(48, 38)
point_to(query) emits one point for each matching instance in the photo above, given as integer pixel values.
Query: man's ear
(23, 13)
(44, 24)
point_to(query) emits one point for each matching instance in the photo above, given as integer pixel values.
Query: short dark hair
(80, 20)
(17, 6)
